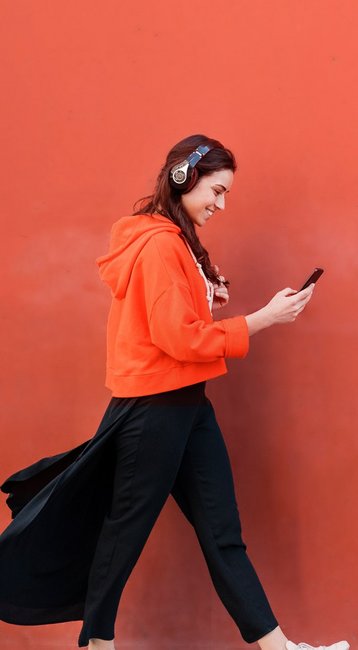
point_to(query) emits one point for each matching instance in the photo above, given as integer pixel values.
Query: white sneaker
(341, 645)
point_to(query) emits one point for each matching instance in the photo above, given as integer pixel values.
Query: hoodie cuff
(236, 337)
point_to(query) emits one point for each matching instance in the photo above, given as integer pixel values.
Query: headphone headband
(197, 155)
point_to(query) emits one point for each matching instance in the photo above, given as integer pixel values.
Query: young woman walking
(160, 427)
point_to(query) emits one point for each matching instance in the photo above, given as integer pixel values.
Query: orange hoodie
(160, 332)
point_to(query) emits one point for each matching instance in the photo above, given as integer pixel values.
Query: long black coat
(58, 505)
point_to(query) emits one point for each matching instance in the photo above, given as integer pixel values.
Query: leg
(204, 490)
(149, 450)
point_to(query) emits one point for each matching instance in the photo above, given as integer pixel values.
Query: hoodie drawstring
(209, 285)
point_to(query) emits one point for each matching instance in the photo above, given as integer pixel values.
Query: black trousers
(171, 443)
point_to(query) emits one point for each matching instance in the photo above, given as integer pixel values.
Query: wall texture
(93, 95)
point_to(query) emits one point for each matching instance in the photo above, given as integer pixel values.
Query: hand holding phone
(281, 310)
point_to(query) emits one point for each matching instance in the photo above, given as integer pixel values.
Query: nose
(220, 201)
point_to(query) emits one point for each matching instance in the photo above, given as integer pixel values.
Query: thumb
(288, 291)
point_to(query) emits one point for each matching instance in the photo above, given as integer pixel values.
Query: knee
(228, 533)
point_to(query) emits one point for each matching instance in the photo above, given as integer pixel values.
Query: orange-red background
(93, 96)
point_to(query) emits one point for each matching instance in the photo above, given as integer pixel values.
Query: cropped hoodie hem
(175, 377)
(160, 332)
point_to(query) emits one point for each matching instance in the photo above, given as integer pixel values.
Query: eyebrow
(223, 186)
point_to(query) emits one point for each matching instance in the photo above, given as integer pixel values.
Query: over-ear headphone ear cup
(184, 176)
(192, 180)
(179, 187)
(192, 175)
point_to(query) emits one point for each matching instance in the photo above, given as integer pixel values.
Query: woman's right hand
(285, 307)
(282, 308)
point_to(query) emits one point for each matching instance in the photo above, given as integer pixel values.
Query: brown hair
(167, 201)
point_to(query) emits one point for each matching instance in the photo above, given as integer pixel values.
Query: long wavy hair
(166, 200)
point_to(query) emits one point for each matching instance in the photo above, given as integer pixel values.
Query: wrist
(258, 320)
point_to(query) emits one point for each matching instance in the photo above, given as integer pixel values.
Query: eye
(216, 192)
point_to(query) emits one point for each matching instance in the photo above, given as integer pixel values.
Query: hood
(128, 237)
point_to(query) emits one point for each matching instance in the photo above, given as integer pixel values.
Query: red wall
(93, 95)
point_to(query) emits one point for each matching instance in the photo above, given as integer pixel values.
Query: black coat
(58, 505)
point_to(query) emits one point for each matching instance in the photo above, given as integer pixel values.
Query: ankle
(101, 644)
(274, 640)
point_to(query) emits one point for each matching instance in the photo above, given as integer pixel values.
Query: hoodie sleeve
(174, 324)
(176, 329)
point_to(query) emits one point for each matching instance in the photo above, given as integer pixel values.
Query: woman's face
(207, 196)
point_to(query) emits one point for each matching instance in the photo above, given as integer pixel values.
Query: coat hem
(17, 615)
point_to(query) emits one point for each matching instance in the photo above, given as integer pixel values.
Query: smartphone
(313, 278)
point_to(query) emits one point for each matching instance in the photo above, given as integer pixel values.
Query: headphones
(183, 176)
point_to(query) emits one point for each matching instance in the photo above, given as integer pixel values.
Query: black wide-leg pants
(171, 443)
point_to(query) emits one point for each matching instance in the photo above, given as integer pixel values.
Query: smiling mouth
(210, 212)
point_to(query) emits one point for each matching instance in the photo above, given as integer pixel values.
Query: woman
(160, 431)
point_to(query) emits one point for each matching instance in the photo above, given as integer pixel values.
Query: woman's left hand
(221, 294)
